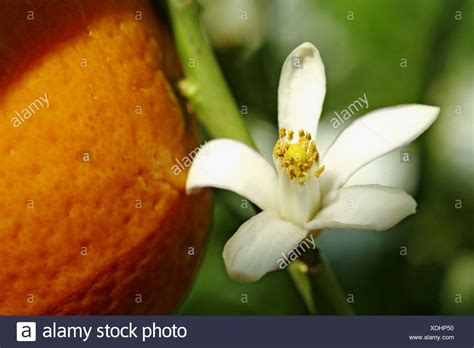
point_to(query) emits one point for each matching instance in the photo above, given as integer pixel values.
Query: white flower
(305, 193)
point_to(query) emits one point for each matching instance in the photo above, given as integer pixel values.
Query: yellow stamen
(297, 158)
(290, 135)
(320, 171)
(282, 132)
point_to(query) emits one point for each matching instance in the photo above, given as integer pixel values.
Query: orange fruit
(92, 218)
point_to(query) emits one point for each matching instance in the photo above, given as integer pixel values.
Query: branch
(204, 84)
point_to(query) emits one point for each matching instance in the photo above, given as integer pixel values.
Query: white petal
(371, 207)
(302, 89)
(298, 202)
(372, 136)
(385, 170)
(255, 249)
(388, 170)
(234, 166)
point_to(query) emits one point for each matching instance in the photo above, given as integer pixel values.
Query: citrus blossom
(304, 191)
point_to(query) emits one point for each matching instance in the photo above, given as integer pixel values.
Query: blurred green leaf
(458, 288)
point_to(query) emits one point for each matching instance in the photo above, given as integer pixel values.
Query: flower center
(298, 158)
(297, 153)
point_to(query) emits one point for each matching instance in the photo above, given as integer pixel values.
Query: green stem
(298, 274)
(327, 294)
(211, 99)
(204, 84)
